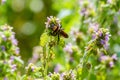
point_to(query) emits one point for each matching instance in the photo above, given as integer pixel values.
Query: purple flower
(50, 20)
(2, 48)
(111, 63)
(108, 60)
(11, 59)
(68, 48)
(17, 50)
(61, 75)
(57, 68)
(101, 37)
(114, 57)
(13, 67)
(102, 42)
(13, 40)
(93, 36)
(3, 36)
(94, 26)
(5, 78)
(6, 27)
(3, 1)
(32, 68)
(106, 46)
(68, 76)
(104, 58)
(9, 43)
(83, 11)
(109, 1)
(107, 37)
(100, 34)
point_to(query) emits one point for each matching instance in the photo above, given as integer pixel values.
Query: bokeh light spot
(28, 28)
(36, 5)
(18, 5)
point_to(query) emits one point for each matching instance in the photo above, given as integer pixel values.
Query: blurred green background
(28, 18)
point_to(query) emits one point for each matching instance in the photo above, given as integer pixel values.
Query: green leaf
(19, 60)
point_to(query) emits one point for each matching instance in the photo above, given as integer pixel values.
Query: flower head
(9, 48)
(7, 35)
(101, 37)
(31, 69)
(108, 60)
(52, 20)
(68, 75)
(54, 76)
(83, 11)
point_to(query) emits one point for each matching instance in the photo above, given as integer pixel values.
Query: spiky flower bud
(9, 51)
(100, 41)
(55, 76)
(109, 61)
(69, 75)
(52, 20)
(32, 70)
(102, 38)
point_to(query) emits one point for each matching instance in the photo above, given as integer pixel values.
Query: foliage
(91, 52)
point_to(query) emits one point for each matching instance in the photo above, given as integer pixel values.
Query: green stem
(46, 52)
(85, 72)
(45, 62)
(82, 23)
